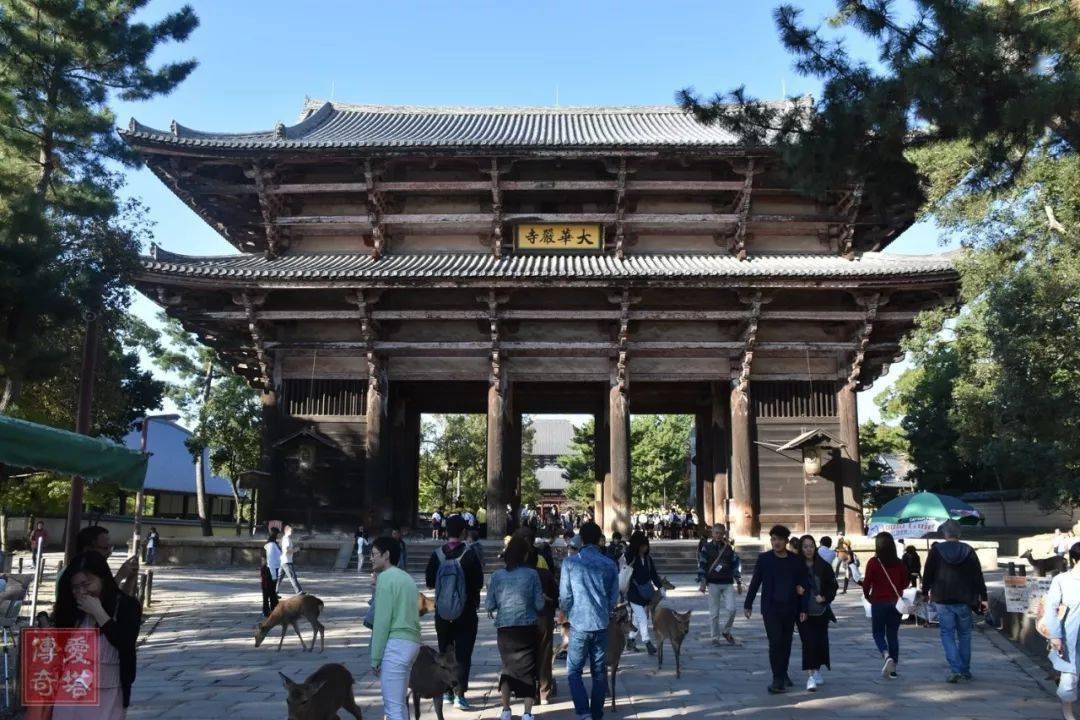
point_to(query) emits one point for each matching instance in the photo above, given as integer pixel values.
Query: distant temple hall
(395, 261)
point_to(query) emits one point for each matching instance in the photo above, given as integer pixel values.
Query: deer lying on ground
(668, 625)
(287, 613)
(327, 690)
(432, 676)
(1046, 566)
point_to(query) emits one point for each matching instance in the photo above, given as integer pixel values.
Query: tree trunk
(236, 505)
(200, 470)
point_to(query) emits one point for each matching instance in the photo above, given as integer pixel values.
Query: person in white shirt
(288, 551)
(470, 519)
(272, 551)
(826, 552)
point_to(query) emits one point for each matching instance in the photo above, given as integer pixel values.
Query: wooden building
(402, 260)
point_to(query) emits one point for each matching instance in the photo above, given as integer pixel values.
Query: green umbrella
(915, 515)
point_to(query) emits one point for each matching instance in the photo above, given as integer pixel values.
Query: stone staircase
(672, 557)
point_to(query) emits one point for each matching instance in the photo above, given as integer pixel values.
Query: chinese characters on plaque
(570, 237)
(59, 666)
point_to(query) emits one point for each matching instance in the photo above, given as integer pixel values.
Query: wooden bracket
(738, 239)
(849, 206)
(271, 206)
(250, 302)
(749, 339)
(376, 209)
(871, 303)
(495, 236)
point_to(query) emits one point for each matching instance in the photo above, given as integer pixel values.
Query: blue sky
(258, 61)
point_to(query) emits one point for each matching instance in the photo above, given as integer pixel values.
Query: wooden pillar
(601, 460)
(497, 491)
(703, 467)
(850, 476)
(719, 444)
(376, 482)
(271, 417)
(745, 503)
(617, 510)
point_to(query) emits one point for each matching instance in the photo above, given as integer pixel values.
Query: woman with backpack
(644, 583)
(885, 579)
(514, 600)
(456, 575)
(814, 629)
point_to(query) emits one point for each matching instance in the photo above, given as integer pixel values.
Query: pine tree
(62, 62)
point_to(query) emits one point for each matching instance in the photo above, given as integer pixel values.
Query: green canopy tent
(40, 447)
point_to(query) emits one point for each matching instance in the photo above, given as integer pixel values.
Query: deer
(424, 604)
(668, 625)
(1046, 566)
(433, 674)
(619, 629)
(287, 613)
(327, 690)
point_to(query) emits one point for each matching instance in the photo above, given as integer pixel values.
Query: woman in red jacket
(885, 578)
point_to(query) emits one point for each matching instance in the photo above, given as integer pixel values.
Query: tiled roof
(484, 266)
(339, 125)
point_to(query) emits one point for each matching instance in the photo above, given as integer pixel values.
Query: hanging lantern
(812, 462)
(305, 457)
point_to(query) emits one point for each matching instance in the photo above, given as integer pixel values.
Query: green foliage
(456, 444)
(876, 440)
(1003, 77)
(659, 462)
(68, 247)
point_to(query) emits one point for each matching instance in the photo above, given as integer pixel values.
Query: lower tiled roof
(484, 266)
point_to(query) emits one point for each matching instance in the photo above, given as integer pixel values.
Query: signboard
(547, 237)
(1037, 588)
(59, 667)
(1016, 594)
(907, 530)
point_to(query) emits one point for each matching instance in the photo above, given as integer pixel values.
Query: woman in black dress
(814, 630)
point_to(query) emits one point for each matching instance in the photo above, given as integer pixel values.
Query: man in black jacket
(953, 581)
(460, 631)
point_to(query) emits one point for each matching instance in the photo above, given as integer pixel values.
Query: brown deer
(287, 613)
(618, 630)
(1046, 566)
(327, 690)
(424, 604)
(432, 675)
(668, 625)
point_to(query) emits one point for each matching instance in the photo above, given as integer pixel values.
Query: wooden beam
(496, 232)
(741, 235)
(862, 339)
(376, 211)
(210, 187)
(483, 220)
(271, 207)
(249, 302)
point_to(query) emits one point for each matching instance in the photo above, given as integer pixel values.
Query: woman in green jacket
(395, 632)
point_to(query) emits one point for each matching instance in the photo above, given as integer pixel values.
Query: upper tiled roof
(340, 125)
(484, 266)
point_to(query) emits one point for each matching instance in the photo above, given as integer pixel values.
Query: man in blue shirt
(783, 579)
(588, 593)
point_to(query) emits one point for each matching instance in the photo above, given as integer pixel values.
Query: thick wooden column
(376, 482)
(498, 495)
(617, 510)
(745, 503)
(719, 444)
(271, 418)
(601, 462)
(850, 476)
(703, 467)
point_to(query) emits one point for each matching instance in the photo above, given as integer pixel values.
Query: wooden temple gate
(400, 261)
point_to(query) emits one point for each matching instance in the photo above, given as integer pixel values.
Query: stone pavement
(198, 660)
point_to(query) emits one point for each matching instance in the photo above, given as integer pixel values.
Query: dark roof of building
(484, 266)
(327, 125)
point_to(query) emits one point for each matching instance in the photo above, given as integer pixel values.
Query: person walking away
(455, 573)
(152, 546)
(39, 534)
(782, 579)
(473, 541)
(403, 557)
(88, 597)
(436, 524)
(644, 583)
(361, 542)
(913, 565)
(814, 630)
(720, 575)
(1065, 631)
(953, 581)
(883, 581)
(825, 550)
(289, 548)
(545, 623)
(481, 520)
(395, 632)
(513, 600)
(588, 592)
(270, 572)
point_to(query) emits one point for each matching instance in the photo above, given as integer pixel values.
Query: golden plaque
(570, 237)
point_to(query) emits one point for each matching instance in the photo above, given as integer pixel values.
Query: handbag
(903, 605)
